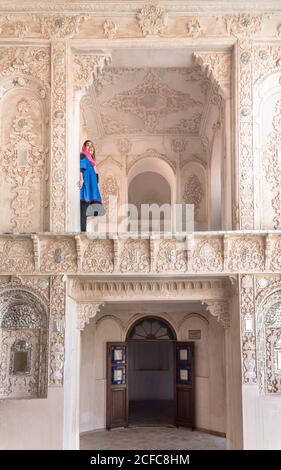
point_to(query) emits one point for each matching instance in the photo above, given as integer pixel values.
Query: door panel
(184, 384)
(117, 385)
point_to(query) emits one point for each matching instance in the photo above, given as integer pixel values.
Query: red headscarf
(88, 155)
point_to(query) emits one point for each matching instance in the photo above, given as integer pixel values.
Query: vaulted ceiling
(133, 101)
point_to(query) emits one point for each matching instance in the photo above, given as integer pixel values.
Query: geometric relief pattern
(98, 256)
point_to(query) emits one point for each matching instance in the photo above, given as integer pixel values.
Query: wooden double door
(117, 403)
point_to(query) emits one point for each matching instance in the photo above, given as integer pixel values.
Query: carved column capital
(86, 312)
(88, 68)
(220, 310)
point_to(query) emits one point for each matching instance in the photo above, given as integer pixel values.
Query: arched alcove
(24, 156)
(268, 344)
(151, 188)
(24, 345)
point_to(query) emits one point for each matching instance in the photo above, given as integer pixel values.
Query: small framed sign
(194, 334)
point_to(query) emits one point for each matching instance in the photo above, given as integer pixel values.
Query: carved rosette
(246, 255)
(88, 69)
(59, 257)
(135, 256)
(58, 137)
(219, 309)
(248, 337)
(207, 256)
(152, 20)
(110, 28)
(98, 257)
(57, 324)
(267, 60)
(170, 257)
(246, 160)
(244, 24)
(86, 312)
(193, 28)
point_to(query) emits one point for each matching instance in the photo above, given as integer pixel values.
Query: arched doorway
(151, 372)
(150, 377)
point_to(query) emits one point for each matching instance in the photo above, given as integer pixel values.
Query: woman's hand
(80, 182)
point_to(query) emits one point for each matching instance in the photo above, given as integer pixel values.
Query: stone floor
(151, 413)
(151, 438)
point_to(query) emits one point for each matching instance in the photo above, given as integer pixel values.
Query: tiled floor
(151, 438)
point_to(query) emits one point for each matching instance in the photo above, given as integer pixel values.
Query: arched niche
(194, 190)
(24, 157)
(23, 345)
(267, 153)
(269, 344)
(152, 181)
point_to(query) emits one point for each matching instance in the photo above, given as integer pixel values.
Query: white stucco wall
(26, 424)
(261, 419)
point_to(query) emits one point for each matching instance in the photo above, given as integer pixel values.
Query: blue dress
(90, 190)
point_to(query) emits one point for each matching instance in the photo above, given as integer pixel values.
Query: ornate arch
(268, 326)
(163, 323)
(24, 335)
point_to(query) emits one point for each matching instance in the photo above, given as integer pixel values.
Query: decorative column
(247, 324)
(58, 137)
(57, 325)
(245, 144)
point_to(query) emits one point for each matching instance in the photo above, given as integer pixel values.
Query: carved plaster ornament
(152, 20)
(110, 28)
(86, 311)
(219, 309)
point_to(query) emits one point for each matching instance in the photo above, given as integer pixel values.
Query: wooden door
(184, 384)
(117, 385)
